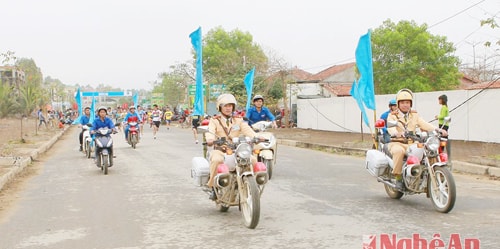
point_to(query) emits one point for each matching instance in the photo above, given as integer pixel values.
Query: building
(12, 76)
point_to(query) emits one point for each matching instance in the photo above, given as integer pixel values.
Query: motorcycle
(104, 148)
(266, 150)
(87, 141)
(238, 182)
(133, 133)
(425, 167)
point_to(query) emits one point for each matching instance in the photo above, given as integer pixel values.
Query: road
(315, 200)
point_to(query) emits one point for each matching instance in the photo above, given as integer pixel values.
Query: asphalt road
(315, 200)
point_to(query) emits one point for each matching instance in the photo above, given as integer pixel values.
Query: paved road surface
(315, 200)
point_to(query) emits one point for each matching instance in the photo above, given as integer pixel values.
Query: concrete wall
(476, 119)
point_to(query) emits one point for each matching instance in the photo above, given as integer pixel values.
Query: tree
(406, 55)
(492, 23)
(175, 82)
(33, 95)
(227, 58)
(8, 104)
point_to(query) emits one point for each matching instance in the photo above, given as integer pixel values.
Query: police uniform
(228, 128)
(398, 149)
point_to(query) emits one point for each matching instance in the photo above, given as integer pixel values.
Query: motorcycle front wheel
(88, 150)
(269, 166)
(250, 202)
(443, 195)
(105, 164)
(222, 207)
(133, 140)
(393, 192)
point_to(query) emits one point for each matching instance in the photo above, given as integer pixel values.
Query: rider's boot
(399, 183)
(212, 196)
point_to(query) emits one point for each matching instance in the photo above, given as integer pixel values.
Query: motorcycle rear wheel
(443, 198)
(250, 202)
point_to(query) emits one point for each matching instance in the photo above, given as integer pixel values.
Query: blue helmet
(392, 102)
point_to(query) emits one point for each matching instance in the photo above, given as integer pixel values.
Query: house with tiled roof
(492, 84)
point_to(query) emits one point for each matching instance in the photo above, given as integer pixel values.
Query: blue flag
(198, 108)
(249, 86)
(78, 99)
(357, 96)
(92, 111)
(365, 68)
(136, 100)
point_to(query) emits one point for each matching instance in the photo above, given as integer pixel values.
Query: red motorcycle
(133, 131)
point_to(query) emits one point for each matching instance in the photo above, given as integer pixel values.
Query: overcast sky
(126, 43)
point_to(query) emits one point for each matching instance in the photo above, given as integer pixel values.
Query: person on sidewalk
(41, 118)
(443, 101)
(407, 121)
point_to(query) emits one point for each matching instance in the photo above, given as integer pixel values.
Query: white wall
(476, 120)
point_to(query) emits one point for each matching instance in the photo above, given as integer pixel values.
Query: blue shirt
(384, 116)
(255, 116)
(98, 123)
(84, 120)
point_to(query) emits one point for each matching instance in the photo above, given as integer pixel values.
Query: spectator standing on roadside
(443, 101)
(41, 119)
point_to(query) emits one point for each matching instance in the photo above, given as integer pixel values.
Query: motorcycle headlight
(433, 143)
(244, 151)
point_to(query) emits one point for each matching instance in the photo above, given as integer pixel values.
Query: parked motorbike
(104, 148)
(425, 168)
(238, 182)
(266, 150)
(133, 133)
(87, 140)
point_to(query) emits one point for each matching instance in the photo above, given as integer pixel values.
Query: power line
(458, 13)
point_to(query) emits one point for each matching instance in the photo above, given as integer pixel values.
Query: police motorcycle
(238, 182)
(87, 147)
(104, 148)
(266, 150)
(425, 167)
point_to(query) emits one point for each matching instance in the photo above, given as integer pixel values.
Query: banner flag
(365, 67)
(92, 111)
(356, 95)
(136, 100)
(196, 41)
(78, 99)
(249, 86)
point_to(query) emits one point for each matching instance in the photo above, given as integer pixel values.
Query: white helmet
(225, 99)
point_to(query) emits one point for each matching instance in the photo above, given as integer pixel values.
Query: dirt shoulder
(18, 137)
